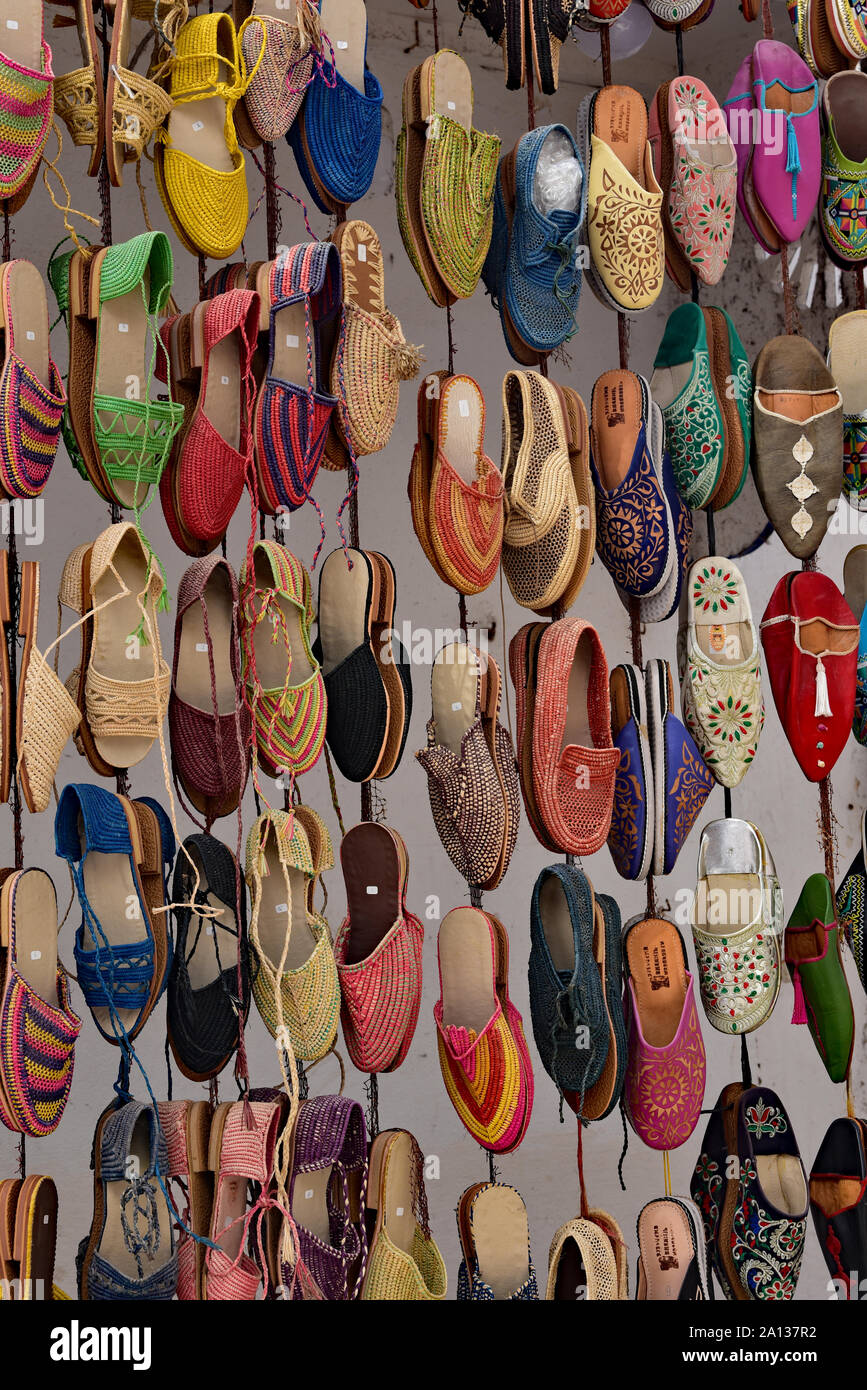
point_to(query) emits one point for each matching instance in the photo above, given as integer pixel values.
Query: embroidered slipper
(848, 27)
(26, 99)
(633, 823)
(682, 782)
(842, 218)
(39, 1028)
(624, 201)
(47, 716)
(186, 1127)
(134, 105)
(683, 388)
(696, 166)
(815, 37)
(847, 356)
(403, 1261)
(483, 1055)
(672, 1264)
(581, 1264)
(279, 51)
(732, 381)
(665, 1074)
(378, 950)
(120, 1258)
(79, 96)
(815, 962)
(32, 398)
(497, 1263)
(209, 722)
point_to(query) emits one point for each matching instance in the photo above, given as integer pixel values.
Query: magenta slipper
(787, 155)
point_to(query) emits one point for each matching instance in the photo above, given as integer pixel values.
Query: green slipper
(822, 998)
(682, 386)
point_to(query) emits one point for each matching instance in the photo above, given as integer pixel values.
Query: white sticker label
(46, 1218)
(399, 1211)
(202, 647)
(35, 955)
(292, 340)
(31, 336)
(456, 706)
(224, 380)
(372, 889)
(464, 408)
(308, 1194)
(281, 907)
(209, 931)
(362, 252)
(12, 24)
(341, 43)
(123, 328)
(451, 106)
(198, 125)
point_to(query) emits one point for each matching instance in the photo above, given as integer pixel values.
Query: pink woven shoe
(238, 1156)
(574, 758)
(186, 1125)
(378, 949)
(665, 1073)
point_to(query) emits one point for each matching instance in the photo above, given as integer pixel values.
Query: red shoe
(810, 639)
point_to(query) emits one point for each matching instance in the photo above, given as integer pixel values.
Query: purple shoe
(330, 1143)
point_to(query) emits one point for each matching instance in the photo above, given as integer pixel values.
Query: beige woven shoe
(47, 714)
(581, 1264)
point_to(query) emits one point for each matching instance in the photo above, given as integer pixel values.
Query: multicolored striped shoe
(304, 288)
(37, 1027)
(32, 398)
(283, 681)
(26, 102)
(480, 1034)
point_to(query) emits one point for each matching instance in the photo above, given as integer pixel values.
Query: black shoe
(838, 1182)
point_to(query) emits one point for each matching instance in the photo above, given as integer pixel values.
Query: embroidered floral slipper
(681, 780)
(630, 838)
(497, 1264)
(843, 197)
(815, 962)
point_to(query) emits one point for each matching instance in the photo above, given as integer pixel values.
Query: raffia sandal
(134, 105)
(47, 715)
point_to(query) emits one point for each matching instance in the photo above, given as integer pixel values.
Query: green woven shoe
(132, 433)
(682, 387)
(822, 998)
(58, 278)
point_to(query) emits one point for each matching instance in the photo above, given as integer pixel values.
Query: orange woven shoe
(480, 1034)
(574, 759)
(421, 469)
(465, 508)
(523, 653)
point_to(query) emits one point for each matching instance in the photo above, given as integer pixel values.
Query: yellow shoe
(198, 164)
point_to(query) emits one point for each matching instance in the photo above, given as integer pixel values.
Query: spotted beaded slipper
(403, 1262)
(39, 1028)
(32, 398)
(497, 1264)
(26, 99)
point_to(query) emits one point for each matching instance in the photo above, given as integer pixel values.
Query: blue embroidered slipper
(659, 606)
(630, 839)
(567, 1004)
(130, 1251)
(119, 852)
(632, 515)
(337, 135)
(682, 780)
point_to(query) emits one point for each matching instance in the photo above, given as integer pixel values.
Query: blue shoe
(337, 134)
(119, 853)
(630, 838)
(681, 778)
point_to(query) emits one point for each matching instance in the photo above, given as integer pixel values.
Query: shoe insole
(394, 1187)
(667, 1249)
(447, 88)
(576, 730)
(114, 899)
(501, 1238)
(373, 873)
(461, 415)
(282, 911)
(454, 693)
(833, 1195)
(726, 903)
(345, 23)
(36, 1237)
(113, 627)
(21, 33)
(616, 409)
(821, 639)
(620, 119)
(654, 954)
(347, 600)
(30, 894)
(847, 341)
(799, 406)
(382, 626)
(27, 309)
(466, 957)
(571, 1282)
(361, 258)
(557, 925)
(725, 643)
(310, 1202)
(779, 98)
(113, 1246)
(198, 128)
(667, 382)
(847, 114)
(782, 1181)
(193, 680)
(212, 947)
(123, 354)
(222, 400)
(289, 362)
(272, 657)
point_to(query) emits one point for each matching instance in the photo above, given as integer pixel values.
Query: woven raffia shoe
(602, 1097)
(329, 1149)
(847, 353)
(546, 556)
(671, 1265)
(754, 1209)
(720, 668)
(483, 1054)
(186, 1128)
(696, 165)
(737, 922)
(39, 1028)
(665, 1075)
(32, 398)
(336, 136)
(241, 1149)
(209, 984)
(624, 201)
(843, 196)
(134, 105)
(198, 165)
(79, 96)
(295, 984)
(46, 714)
(26, 101)
(279, 50)
(582, 1263)
(121, 1259)
(403, 1261)
(814, 958)
(469, 761)
(378, 950)
(209, 722)
(284, 684)
(838, 1184)
(497, 1265)
(455, 490)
